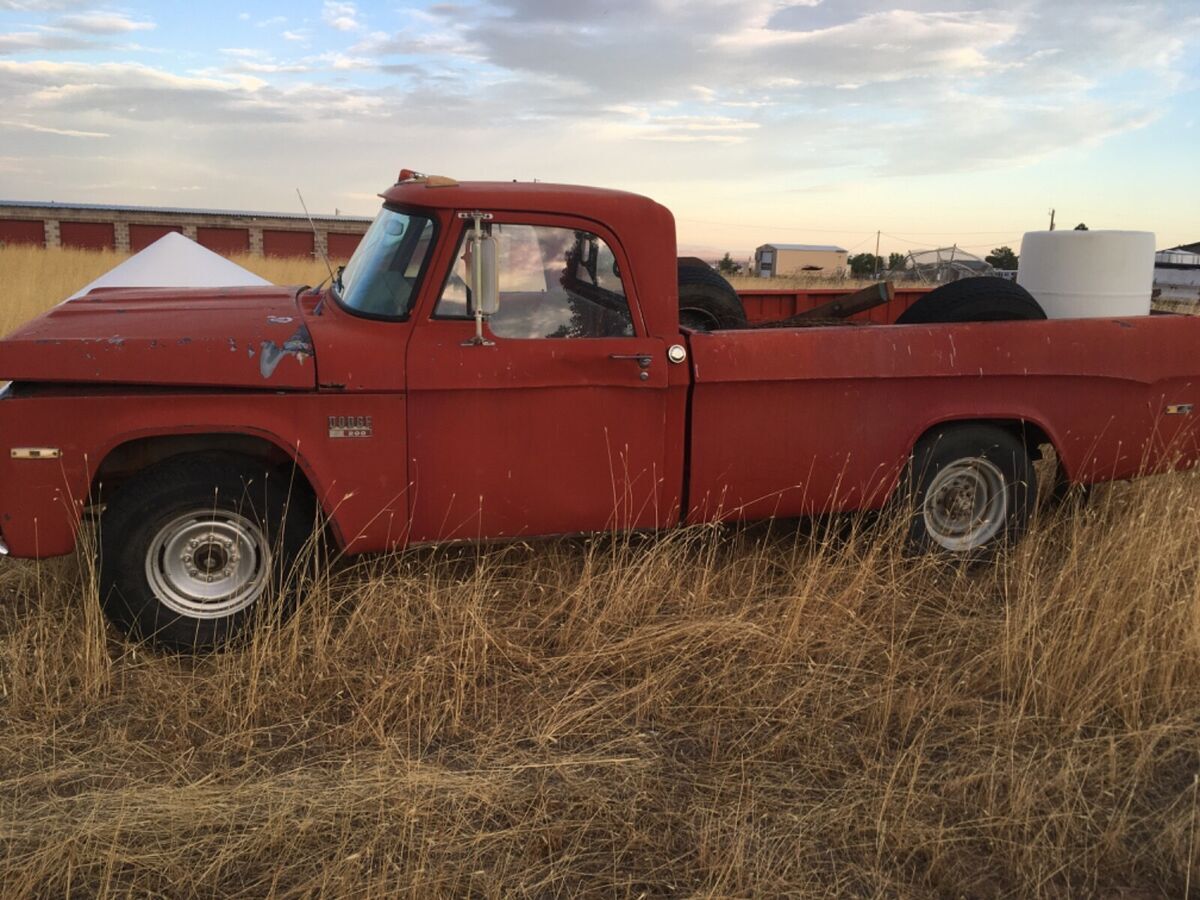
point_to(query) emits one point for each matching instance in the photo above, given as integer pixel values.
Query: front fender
(359, 478)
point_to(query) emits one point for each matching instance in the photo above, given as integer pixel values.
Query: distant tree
(727, 266)
(1002, 258)
(1081, 227)
(896, 261)
(865, 264)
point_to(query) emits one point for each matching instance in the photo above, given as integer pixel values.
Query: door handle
(642, 359)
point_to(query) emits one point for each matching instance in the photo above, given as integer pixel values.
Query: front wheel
(192, 549)
(971, 488)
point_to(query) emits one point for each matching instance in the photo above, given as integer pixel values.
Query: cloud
(103, 23)
(832, 13)
(268, 67)
(445, 42)
(126, 96)
(342, 16)
(31, 41)
(866, 68)
(636, 123)
(629, 50)
(65, 132)
(618, 91)
(42, 5)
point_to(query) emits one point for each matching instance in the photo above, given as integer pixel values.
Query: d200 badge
(349, 426)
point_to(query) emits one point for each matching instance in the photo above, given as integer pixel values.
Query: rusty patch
(298, 345)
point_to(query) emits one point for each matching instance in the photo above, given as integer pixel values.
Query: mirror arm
(476, 237)
(477, 278)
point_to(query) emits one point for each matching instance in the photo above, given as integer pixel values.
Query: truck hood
(212, 337)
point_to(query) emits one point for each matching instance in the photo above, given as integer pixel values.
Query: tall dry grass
(35, 279)
(769, 712)
(799, 712)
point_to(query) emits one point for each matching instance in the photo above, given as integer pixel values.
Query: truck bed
(772, 305)
(798, 421)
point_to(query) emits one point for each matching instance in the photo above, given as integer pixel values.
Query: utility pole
(1051, 220)
(876, 266)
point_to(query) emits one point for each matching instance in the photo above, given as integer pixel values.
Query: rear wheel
(193, 549)
(971, 488)
(707, 302)
(980, 299)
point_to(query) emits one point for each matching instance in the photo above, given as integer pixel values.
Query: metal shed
(774, 260)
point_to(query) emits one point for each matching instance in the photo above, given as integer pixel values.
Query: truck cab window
(382, 274)
(554, 283)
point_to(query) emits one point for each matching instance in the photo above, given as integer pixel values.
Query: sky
(930, 121)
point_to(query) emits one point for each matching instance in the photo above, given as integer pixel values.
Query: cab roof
(515, 195)
(643, 228)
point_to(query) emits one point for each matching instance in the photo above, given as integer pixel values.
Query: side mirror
(485, 274)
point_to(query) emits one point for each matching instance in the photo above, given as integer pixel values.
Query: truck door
(559, 422)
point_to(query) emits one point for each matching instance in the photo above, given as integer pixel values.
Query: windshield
(382, 274)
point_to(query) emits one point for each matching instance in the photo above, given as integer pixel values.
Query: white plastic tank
(1088, 274)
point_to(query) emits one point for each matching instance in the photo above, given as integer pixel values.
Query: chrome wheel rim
(208, 564)
(966, 504)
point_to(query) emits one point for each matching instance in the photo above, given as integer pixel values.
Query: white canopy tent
(174, 261)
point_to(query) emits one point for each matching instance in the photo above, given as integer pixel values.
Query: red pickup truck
(505, 360)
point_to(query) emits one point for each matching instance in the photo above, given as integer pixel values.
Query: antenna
(316, 237)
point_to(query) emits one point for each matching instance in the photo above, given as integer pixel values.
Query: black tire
(201, 515)
(981, 299)
(971, 488)
(707, 302)
(1062, 492)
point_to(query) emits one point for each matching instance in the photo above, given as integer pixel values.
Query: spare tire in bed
(980, 299)
(707, 302)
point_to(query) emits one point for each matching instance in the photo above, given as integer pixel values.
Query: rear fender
(1029, 430)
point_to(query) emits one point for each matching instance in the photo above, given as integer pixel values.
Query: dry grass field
(784, 711)
(34, 279)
